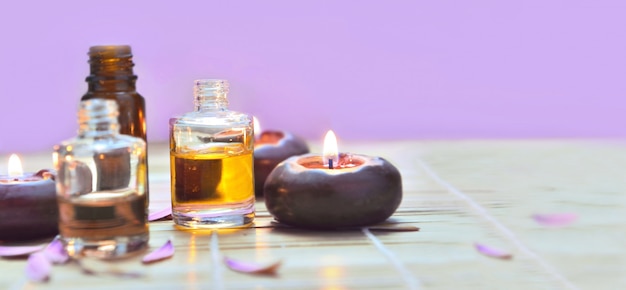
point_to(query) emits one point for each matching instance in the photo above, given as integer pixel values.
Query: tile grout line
(215, 259)
(506, 231)
(411, 281)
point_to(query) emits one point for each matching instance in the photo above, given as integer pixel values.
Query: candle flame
(257, 127)
(15, 166)
(55, 159)
(330, 151)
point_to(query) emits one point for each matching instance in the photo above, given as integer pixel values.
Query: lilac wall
(367, 69)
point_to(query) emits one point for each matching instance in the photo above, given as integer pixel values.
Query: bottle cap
(110, 51)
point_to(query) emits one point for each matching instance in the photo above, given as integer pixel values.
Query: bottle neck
(97, 118)
(111, 69)
(111, 85)
(211, 95)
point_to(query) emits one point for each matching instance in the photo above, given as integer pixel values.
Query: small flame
(15, 166)
(55, 159)
(330, 152)
(257, 127)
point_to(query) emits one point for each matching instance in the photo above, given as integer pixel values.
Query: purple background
(370, 70)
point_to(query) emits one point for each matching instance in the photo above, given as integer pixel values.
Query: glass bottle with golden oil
(111, 77)
(211, 162)
(101, 186)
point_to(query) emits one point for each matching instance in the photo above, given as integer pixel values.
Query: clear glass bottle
(101, 186)
(211, 162)
(111, 77)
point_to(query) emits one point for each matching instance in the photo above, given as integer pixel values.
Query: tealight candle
(333, 190)
(28, 206)
(271, 148)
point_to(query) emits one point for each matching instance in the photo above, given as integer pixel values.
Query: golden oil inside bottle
(211, 179)
(211, 184)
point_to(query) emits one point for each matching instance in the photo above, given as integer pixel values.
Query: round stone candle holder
(271, 148)
(28, 206)
(358, 191)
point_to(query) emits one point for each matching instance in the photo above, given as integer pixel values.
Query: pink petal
(162, 253)
(8, 251)
(555, 219)
(252, 268)
(492, 252)
(157, 215)
(56, 253)
(38, 267)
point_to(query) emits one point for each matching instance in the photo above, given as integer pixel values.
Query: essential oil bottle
(101, 186)
(111, 77)
(211, 162)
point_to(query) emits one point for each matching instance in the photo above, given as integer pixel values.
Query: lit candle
(333, 190)
(28, 206)
(271, 148)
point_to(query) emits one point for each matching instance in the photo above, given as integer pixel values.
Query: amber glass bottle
(111, 77)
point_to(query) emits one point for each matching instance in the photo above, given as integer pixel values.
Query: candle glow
(332, 190)
(28, 203)
(257, 127)
(330, 153)
(15, 166)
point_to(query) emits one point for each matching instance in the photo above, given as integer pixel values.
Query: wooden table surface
(457, 192)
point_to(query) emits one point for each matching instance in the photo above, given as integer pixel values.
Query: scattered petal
(8, 251)
(56, 253)
(160, 214)
(555, 219)
(38, 267)
(162, 253)
(492, 252)
(252, 268)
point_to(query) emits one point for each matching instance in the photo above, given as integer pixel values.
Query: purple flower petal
(38, 267)
(492, 252)
(252, 268)
(162, 253)
(56, 253)
(157, 215)
(555, 219)
(8, 251)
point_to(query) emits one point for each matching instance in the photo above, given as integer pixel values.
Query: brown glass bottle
(111, 77)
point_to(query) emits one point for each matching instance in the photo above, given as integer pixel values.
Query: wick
(330, 163)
